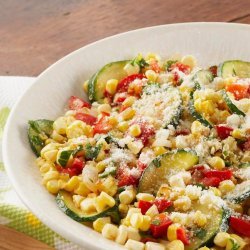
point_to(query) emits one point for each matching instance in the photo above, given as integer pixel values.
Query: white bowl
(210, 43)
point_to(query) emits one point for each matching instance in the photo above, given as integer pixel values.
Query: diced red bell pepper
(239, 91)
(70, 171)
(124, 83)
(213, 70)
(78, 163)
(162, 204)
(148, 239)
(125, 178)
(144, 206)
(159, 225)
(102, 126)
(221, 174)
(141, 166)
(182, 236)
(211, 181)
(89, 119)
(181, 67)
(240, 225)
(246, 145)
(76, 103)
(147, 131)
(223, 131)
(120, 98)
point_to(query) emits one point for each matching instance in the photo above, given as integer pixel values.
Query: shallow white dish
(210, 43)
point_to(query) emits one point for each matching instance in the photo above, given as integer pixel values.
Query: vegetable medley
(160, 159)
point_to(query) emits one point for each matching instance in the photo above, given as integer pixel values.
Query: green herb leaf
(157, 162)
(200, 233)
(169, 63)
(156, 222)
(92, 152)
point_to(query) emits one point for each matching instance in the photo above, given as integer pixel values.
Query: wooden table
(35, 34)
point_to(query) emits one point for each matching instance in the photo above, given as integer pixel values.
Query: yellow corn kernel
(103, 143)
(145, 197)
(152, 211)
(123, 126)
(189, 60)
(99, 224)
(132, 69)
(45, 168)
(123, 209)
(164, 191)
(112, 120)
(217, 162)
(131, 211)
(159, 150)
(232, 244)
(129, 101)
(127, 196)
(238, 134)
(40, 162)
(103, 201)
(221, 239)
(77, 199)
(48, 147)
(175, 245)
(104, 108)
(151, 75)
(60, 125)
(109, 185)
(76, 129)
(88, 205)
(183, 203)
(133, 234)
(128, 114)
(136, 220)
(236, 207)
(125, 222)
(53, 186)
(111, 86)
(135, 130)
(154, 246)
(101, 165)
(51, 175)
(207, 107)
(200, 219)
(110, 231)
(204, 248)
(216, 191)
(50, 155)
(197, 104)
(171, 233)
(122, 235)
(82, 189)
(101, 156)
(57, 137)
(134, 245)
(226, 186)
(72, 184)
(240, 241)
(145, 225)
(152, 56)
(135, 146)
(86, 86)
(196, 128)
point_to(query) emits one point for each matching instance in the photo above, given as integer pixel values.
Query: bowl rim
(6, 156)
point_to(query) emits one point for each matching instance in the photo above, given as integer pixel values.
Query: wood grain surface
(12, 240)
(34, 34)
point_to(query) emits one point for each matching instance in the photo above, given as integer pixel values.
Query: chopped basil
(140, 61)
(200, 233)
(92, 152)
(156, 222)
(169, 63)
(157, 162)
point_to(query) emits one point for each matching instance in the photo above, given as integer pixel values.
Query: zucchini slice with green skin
(36, 132)
(163, 166)
(196, 115)
(202, 78)
(234, 68)
(66, 204)
(233, 108)
(217, 221)
(97, 82)
(244, 165)
(240, 193)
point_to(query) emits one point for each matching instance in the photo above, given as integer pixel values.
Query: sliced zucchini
(244, 165)
(38, 130)
(234, 68)
(66, 204)
(233, 108)
(240, 193)
(196, 115)
(202, 78)
(97, 82)
(163, 166)
(217, 221)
